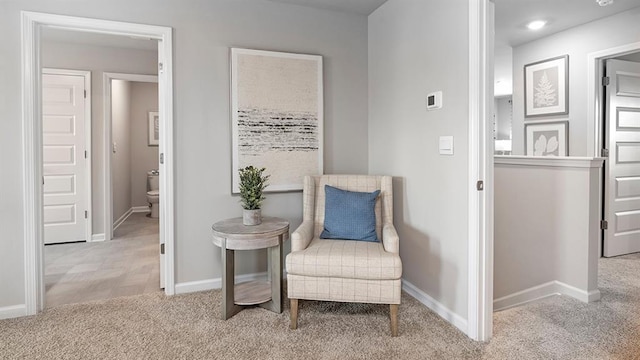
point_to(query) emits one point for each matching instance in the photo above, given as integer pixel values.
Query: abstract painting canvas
(277, 116)
(546, 89)
(547, 139)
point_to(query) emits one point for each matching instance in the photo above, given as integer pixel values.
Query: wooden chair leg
(293, 314)
(393, 314)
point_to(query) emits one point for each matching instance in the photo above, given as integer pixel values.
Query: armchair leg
(293, 311)
(393, 314)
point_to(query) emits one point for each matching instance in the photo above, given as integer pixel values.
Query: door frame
(87, 141)
(108, 136)
(595, 118)
(595, 94)
(31, 24)
(480, 153)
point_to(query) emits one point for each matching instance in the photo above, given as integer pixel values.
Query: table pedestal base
(267, 295)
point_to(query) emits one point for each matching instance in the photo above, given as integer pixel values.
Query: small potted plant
(252, 184)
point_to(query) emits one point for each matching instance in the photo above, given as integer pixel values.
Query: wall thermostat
(434, 100)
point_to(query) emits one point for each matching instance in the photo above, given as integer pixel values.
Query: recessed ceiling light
(536, 25)
(604, 2)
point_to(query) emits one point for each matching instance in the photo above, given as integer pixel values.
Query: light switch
(446, 145)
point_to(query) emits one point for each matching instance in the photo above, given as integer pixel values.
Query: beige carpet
(152, 326)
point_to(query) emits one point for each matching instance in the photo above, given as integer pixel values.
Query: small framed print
(153, 127)
(547, 139)
(546, 87)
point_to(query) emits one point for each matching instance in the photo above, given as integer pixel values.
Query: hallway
(127, 265)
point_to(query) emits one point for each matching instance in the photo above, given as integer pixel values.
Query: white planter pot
(251, 217)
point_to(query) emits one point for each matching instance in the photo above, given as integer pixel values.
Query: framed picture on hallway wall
(276, 116)
(547, 139)
(154, 126)
(546, 87)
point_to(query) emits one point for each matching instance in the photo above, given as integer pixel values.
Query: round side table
(231, 235)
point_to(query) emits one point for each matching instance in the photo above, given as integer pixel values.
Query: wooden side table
(231, 235)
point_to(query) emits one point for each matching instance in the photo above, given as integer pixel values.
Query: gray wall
(144, 98)
(635, 57)
(578, 42)
(410, 56)
(97, 59)
(203, 33)
(121, 151)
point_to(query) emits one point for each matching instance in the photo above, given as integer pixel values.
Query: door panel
(622, 178)
(63, 157)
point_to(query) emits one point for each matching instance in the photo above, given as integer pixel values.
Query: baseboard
(210, 284)
(97, 237)
(444, 312)
(122, 219)
(14, 311)
(140, 209)
(525, 296)
(542, 291)
(574, 292)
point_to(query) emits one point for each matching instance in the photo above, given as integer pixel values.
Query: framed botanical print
(547, 139)
(546, 87)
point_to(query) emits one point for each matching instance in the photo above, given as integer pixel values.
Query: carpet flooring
(152, 326)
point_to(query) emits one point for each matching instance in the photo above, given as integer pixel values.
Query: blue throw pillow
(349, 215)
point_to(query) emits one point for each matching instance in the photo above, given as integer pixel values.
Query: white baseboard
(210, 284)
(14, 311)
(444, 312)
(542, 291)
(122, 219)
(97, 237)
(125, 216)
(140, 209)
(574, 292)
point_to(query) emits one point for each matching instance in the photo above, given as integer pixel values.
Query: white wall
(144, 98)
(503, 70)
(578, 42)
(203, 33)
(121, 154)
(417, 47)
(547, 213)
(98, 59)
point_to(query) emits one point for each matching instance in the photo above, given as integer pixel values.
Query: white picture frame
(546, 87)
(547, 138)
(153, 138)
(277, 116)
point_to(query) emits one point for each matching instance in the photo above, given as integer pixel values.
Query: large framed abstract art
(277, 116)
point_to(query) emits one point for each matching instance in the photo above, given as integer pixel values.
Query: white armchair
(345, 270)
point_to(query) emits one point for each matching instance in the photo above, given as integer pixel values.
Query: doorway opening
(32, 25)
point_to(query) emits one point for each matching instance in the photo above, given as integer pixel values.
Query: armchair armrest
(302, 236)
(390, 239)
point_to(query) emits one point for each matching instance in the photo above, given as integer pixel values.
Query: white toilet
(153, 192)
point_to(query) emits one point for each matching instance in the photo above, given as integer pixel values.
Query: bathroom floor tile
(127, 265)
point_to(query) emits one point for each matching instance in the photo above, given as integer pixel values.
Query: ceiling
(361, 7)
(512, 17)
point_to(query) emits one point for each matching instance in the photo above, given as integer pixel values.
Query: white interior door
(622, 180)
(63, 158)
